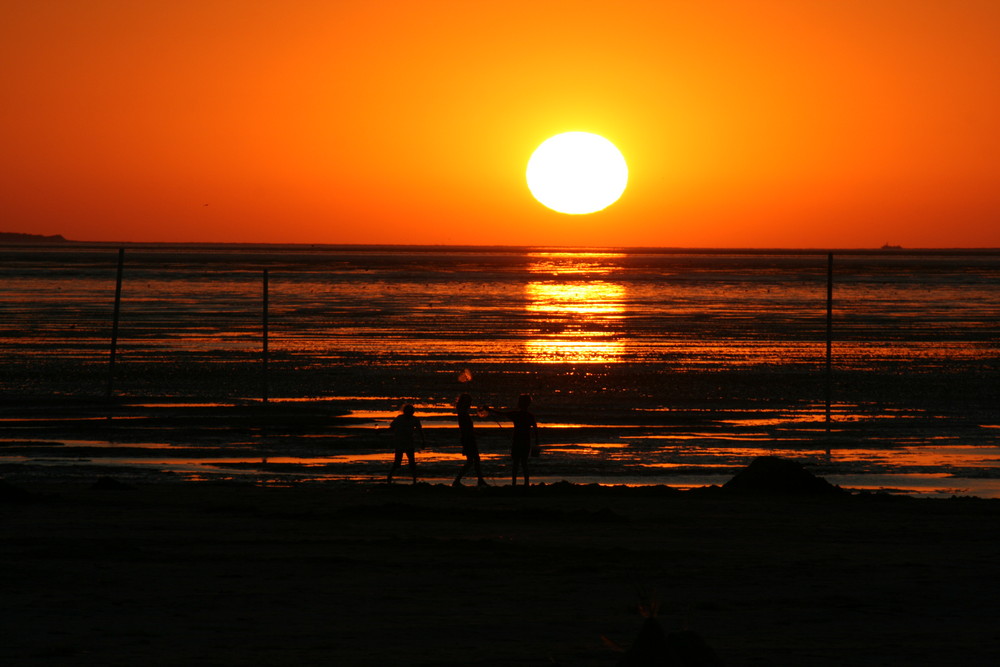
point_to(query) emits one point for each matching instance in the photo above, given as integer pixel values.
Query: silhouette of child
(405, 427)
(467, 437)
(525, 432)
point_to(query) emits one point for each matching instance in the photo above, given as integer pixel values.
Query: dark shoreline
(231, 574)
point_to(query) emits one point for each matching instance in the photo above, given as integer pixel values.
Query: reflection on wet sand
(578, 321)
(874, 448)
(937, 472)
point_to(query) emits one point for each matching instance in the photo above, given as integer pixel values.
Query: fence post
(114, 324)
(264, 350)
(829, 336)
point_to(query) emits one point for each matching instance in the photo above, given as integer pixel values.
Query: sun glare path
(578, 315)
(585, 315)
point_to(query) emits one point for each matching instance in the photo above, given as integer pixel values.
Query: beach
(107, 573)
(197, 506)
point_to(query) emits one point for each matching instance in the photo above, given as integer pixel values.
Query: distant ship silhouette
(891, 247)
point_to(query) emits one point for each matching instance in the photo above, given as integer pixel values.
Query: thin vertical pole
(264, 351)
(829, 336)
(114, 324)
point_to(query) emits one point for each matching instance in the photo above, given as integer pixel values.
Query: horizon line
(51, 241)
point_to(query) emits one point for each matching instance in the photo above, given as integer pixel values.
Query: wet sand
(235, 574)
(692, 443)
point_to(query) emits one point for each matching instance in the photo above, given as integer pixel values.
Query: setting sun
(577, 173)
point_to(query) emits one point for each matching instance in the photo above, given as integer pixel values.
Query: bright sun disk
(577, 173)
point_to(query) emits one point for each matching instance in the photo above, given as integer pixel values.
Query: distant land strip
(15, 237)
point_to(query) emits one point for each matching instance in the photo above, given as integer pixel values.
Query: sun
(577, 173)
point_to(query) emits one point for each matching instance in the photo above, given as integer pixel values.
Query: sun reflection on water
(578, 312)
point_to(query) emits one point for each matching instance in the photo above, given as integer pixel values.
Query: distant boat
(892, 247)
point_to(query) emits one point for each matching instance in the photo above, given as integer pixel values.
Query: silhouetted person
(404, 428)
(467, 436)
(525, 433)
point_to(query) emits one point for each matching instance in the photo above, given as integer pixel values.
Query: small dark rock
(654, 647)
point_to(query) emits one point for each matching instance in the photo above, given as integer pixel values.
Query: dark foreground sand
(209, 574)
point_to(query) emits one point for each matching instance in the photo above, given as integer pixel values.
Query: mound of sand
(771, 475)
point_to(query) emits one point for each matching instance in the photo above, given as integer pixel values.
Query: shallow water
(645, 366)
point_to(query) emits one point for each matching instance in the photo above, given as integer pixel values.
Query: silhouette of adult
(404, 429)
(467, 437)
(525, 435)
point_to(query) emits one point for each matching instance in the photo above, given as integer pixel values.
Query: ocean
(646, 366)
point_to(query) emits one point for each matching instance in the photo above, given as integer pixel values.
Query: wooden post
(264, 351)
(829, 336)
(114, 324)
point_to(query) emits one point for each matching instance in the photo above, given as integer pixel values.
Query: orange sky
(839, 123)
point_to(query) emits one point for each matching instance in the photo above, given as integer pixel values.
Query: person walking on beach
(404, 428)
(525, 432)
(467, 437)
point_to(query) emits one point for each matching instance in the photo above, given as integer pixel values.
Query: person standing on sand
(404, 428)
(467, 437)
(525, 431)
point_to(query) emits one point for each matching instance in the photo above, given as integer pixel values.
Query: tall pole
(829, 335)
(264, 351)
(114, 324)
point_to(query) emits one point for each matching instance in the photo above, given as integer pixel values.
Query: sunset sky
(846, 123)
